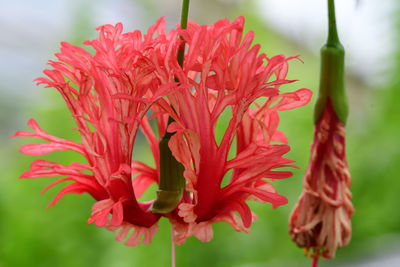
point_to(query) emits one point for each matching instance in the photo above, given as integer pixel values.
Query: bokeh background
(31, 31)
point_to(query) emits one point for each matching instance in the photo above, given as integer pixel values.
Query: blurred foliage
(60, 236)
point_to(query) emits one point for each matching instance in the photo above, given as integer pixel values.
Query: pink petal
(293, 100)
(134, 239)
(123, 233)
(275, 199)
(69, 189)
(117, 214)
(203, 231)
(242, 209)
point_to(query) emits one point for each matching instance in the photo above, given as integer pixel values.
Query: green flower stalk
(321, 219)
(172, 183)
(332, 85)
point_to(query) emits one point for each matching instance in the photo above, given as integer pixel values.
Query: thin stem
(172, 246)
(180, 57)
(171, 181)
(315, 262)
(184, 19)
(184, 14)
(333, 38)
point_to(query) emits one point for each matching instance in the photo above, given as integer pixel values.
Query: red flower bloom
(322, 217)
(129, 76)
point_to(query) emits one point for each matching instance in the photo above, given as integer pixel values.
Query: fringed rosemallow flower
(223, 71)
(321, 220)
(132, 80)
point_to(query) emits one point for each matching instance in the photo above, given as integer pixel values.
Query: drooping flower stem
(332, 30)
(184, 19)
(173, 263)
(332, 84)
(315, 262)
(172, 182)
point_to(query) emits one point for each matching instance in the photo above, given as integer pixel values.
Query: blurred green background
(60, 236)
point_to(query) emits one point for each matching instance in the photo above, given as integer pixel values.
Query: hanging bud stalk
(321, 219)
(172, 183)
(332, 73)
